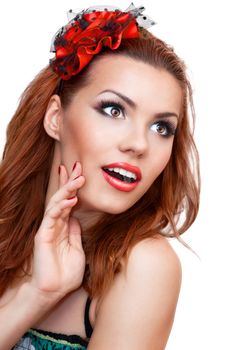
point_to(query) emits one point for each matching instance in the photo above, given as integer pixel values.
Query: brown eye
(161, 129)
(115, 112)
(164, 128)
(112, 109)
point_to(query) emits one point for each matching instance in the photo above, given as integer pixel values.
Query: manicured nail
(74, 166)
(71, 197)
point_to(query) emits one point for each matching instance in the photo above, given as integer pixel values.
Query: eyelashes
(108, 103)
(168, 127)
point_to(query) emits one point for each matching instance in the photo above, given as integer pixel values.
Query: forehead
(140, 81)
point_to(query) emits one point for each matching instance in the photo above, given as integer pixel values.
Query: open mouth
(119, 176)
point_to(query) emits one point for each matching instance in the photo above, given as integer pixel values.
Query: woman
(98, 167)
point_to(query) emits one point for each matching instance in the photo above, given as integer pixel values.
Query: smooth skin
(143, 296)
(58, 253)
(148, 287)
(138, 310)
(81, 132)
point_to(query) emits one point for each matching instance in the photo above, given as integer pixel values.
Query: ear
(52, 118)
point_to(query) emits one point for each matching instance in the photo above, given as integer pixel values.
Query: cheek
(81, 135)
(86, 143)
(160, 161)
(94, 136)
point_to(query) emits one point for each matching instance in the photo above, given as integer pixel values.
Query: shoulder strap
(88, 327)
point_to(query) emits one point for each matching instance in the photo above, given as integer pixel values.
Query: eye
(114, 108)
(165, 128)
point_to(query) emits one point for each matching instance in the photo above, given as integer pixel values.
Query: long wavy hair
(168, 208)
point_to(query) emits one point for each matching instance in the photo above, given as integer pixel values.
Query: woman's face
(100, 128)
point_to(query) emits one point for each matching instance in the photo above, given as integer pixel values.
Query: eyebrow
(132, 104)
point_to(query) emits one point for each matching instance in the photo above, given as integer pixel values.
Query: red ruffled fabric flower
(85, 36)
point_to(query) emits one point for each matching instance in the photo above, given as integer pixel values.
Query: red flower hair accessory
(88, 31)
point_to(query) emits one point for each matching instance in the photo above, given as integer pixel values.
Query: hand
(59, 260)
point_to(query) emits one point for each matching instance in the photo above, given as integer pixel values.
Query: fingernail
(71, 197)
(74, 166)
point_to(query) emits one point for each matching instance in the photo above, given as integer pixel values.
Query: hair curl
(27, 159)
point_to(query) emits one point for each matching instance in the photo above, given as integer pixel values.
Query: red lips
(127, 167)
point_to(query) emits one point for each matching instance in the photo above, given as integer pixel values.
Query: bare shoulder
(143, 296)
(154, 256)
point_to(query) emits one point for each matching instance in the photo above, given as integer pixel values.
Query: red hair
(26, 164)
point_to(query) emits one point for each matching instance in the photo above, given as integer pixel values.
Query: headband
(88, 31)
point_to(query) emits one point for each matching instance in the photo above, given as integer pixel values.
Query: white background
(201, 33)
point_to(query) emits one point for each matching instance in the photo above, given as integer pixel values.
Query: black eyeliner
(110, 103)
(171, 129)
(104, 103)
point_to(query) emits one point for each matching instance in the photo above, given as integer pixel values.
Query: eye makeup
(110, 103)
(170, 127)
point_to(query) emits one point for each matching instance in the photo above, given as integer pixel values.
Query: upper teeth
(123, 172)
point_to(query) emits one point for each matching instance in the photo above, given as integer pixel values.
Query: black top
(73, 338)
(40, 339)
(88, 327)
(87, 323)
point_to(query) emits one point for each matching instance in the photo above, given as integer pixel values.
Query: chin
(115, 210)
(113, 207)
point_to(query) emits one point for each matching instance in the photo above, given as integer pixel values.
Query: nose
(135, 141)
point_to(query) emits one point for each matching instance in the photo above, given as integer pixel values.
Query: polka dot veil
(89, 30)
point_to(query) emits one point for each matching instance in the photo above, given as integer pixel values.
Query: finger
(76, 170)
(63, 197)
(69, 189)
(55, 212)
(63, 178)
(48, 228)
(75, 238)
